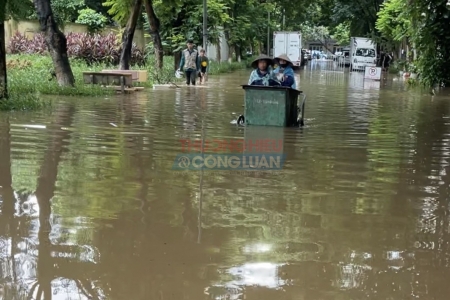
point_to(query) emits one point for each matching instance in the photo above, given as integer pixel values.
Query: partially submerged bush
(23, 102)
(91, 48)
(22, 98)
(164, 76)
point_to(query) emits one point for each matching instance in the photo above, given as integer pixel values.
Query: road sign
(372, 73)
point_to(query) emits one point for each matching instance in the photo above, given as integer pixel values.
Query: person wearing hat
(284, 72)
(262, 73)
(190, 63)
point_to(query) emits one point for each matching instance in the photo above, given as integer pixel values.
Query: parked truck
(290, 43)
(363, 53)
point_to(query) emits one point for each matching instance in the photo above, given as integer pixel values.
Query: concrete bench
(116, 78)
(137, 75)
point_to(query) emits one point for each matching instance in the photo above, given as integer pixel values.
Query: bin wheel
(300, 121)
(240, 120)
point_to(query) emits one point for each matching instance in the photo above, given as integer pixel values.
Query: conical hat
(285, 58)
(262, 57)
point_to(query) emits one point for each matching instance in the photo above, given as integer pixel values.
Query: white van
(363, 53)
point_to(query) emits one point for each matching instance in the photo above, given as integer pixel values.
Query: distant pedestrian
(190, 63)
(385, 61)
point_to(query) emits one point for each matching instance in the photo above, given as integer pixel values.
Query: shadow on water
(91, 209)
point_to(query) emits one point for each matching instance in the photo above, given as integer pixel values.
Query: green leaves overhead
(342, 33)
(248, 22)
(361, 15)
(393, 22)
(119, 9)
(17, 9)
(429, 32)
(66, 10)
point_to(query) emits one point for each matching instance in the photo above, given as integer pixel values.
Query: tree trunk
(154, 32)
(56, 43)
(128, 34)
(237, 50)
(230, 53)
(3, 77)
(230, 47)
(218, 54)
(177, 59)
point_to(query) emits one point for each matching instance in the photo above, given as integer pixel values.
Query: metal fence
(328, 72)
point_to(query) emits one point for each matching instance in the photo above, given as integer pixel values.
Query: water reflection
(39, 261)
(262, 274)
(91, 210)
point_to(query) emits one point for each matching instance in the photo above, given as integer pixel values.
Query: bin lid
(264, 87)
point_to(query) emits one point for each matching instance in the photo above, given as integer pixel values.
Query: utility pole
(284, 18)
(268, 33)
(205, 25)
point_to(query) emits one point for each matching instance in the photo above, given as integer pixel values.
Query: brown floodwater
(91, 208)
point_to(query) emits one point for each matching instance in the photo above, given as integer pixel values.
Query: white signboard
(371, 85)
(372, 73)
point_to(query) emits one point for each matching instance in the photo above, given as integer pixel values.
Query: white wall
(224, 50)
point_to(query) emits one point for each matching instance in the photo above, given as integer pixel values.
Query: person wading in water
(190, 63)
(204, 65)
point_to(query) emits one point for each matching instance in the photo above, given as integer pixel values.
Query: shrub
(94, 20)
(164, 76)
(18, 43)
(225, 67)
(91, 48)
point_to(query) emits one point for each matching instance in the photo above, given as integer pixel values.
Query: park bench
(137, 75)
(109, 79)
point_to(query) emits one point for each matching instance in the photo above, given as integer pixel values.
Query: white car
(344, 58)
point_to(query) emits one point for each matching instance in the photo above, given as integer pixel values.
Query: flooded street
(91, 208)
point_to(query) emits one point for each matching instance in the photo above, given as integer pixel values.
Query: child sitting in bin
(262, 73)
(284, 72)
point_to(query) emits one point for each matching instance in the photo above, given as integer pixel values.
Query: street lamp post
(205, 25)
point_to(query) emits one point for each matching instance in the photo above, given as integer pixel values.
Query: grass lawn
(29, 78)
